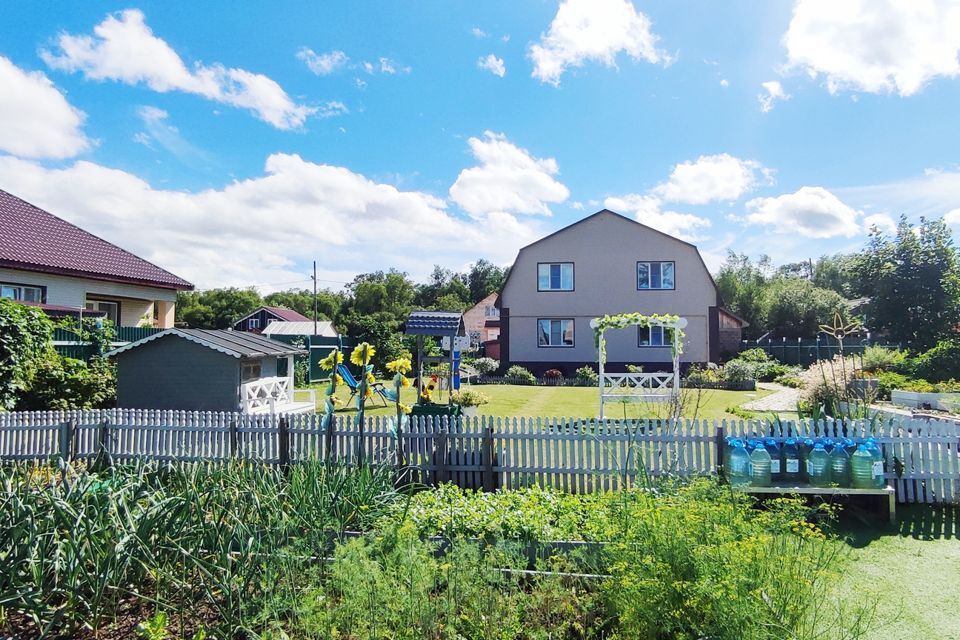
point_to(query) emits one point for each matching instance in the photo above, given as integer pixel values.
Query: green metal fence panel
(132, 334)
(320, 348)
(806, 351)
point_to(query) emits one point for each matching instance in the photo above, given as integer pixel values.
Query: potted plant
(469, 400)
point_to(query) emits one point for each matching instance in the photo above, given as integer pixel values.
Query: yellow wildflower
(405, 381)
(400, 365)
(370, 378)
(362, 353)
(405, 407)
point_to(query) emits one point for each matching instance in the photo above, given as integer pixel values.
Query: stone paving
(782, 399)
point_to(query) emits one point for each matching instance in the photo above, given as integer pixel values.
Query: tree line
(903, 286)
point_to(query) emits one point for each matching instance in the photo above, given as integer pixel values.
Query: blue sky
(233, 146)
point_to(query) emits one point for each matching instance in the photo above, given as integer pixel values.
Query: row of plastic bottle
(821, 462)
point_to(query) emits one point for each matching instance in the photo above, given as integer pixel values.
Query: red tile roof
(288, 314)
(34, 240)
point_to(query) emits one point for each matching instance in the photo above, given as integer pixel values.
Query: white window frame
(94, 304)
(650, 267)
(16, 292)
(666, 339)
(549, 333)
(549, 276)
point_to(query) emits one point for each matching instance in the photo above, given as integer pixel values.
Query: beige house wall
(136, 301)
(605, 250)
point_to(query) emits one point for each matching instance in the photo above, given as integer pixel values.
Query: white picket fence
(578, 455)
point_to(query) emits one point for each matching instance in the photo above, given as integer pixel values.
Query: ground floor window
(111, 309)
(249, 370)
(555, 332)
(655, 337)
(21, 292)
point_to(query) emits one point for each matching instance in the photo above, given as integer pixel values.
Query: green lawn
(578, 402)
(913, 569)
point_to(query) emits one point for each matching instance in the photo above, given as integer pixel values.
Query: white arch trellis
(638, 387)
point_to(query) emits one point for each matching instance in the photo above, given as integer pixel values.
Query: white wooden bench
(786, 488)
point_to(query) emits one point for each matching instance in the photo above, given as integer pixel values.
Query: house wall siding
(605, 250)
(135, 300)
(173, 373)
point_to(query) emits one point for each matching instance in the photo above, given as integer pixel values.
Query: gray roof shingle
(238, 344)
(35, 240)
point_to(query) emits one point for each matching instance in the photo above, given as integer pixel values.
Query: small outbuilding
(209, 370)
(300, 329)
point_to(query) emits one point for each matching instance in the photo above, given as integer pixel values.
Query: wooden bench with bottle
(817, 467)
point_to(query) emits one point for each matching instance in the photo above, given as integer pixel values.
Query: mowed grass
(913, 568)
(569, 402)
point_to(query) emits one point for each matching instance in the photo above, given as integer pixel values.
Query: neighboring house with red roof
(48, 262)
(482, 321)
(258, 320)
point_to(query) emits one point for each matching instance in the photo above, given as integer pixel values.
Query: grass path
(914, 570)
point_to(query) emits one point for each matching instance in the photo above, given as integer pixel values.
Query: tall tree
(913, 282)
(484, 278)
(215, 308)
(742, 283)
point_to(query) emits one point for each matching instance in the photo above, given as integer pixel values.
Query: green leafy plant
(587, 374)
(470, 398)
(485, 366)
(519, 375)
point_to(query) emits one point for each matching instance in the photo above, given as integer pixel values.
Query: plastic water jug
(790, 454)
(818, 466)
(849, 446)
(828, 444)
(879, 481)
(727, 445)
(738, 469)
(805, 448)
(760, 465)
(839, 466)
(776, 459)
(861, 468)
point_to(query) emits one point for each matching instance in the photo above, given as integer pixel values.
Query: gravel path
(783, 399)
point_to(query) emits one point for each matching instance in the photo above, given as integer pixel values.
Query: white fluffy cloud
(508, 179)
(322, 64)
(882, 221)
(124, 49)
(493, 64)
(38, 122)
(593, 30)
(772, 91)
(952, 218)
(646, 210)
(877, 46)
(711, 178)
(267, 228)
(813, 212)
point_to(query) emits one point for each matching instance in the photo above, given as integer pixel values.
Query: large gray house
(610, 264)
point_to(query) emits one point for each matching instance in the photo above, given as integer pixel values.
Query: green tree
(742, 284)
(25, 344)
(796, 307)
(216, 308)
(913, 283)
(329, 303)
(485, 278)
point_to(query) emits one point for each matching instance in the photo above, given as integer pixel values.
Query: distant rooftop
(32, 239)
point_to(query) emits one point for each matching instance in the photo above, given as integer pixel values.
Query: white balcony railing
(273, 395)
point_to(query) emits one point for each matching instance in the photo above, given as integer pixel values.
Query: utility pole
(314, 297)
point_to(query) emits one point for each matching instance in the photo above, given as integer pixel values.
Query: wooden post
(489, 481)
(67, 429)
(234, 440)
(440, 458)
(283, 443)
(103, 445)
(718, 443)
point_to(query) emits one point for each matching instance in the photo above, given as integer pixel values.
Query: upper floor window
(655, 275)
(555, 276)
(655, 337)
(555, 333)
(21, 293)
(492, 312)
(253, 323)
(109, 307)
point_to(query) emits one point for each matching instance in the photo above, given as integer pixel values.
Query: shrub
(66, 383)
(518, 375)
(587, 373)
(634, 368)
(790, 379)
(769, 371)
(704, 375)
(883, 359)
(755, 354)
(470, 398)
(738, 371)
(553, 374)
(940, 363)
(485, 366)
(887, 381)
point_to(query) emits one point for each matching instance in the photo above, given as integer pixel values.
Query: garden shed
(209, 370)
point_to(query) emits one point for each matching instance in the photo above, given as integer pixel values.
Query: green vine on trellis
(636, 319)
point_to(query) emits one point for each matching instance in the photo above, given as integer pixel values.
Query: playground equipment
(638, 387)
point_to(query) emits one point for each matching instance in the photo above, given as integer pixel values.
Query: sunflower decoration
(330, 363)
(362, 354)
